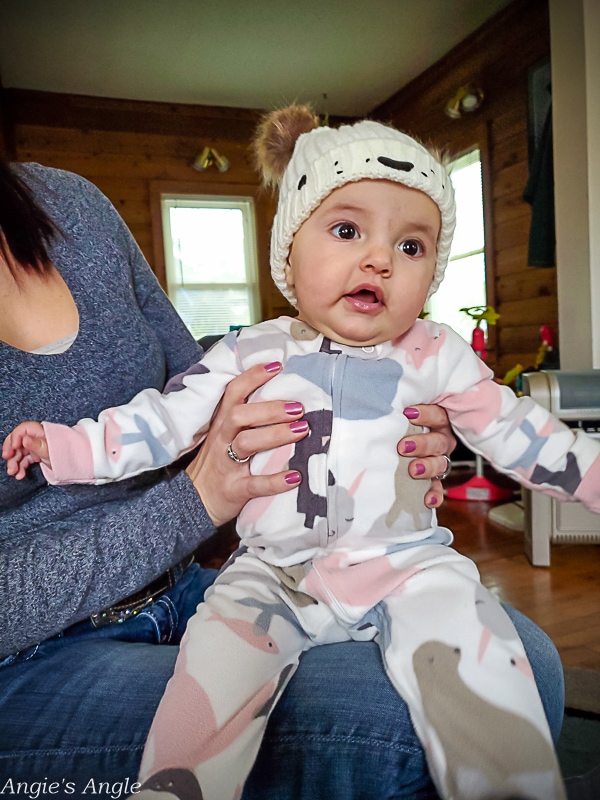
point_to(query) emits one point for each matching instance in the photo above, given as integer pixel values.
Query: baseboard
(582, 689)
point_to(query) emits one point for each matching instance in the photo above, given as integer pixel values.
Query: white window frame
(470, 157)
(247, 206)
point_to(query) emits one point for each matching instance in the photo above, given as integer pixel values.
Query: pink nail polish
(433, 501)
(274, 366)
(299, 426)
(293, 408)
(410, 447)
(293, 477)
(411, 413)
(419, 469)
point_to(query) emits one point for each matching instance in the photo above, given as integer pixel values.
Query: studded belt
(131, 606)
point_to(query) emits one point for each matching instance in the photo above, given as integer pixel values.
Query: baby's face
(362, 263)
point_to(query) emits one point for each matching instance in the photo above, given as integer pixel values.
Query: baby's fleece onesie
(351, 553)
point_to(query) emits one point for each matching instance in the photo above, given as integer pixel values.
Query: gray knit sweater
(66, 552)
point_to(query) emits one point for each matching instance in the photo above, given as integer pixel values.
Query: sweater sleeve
(151, 431)
(62, 572)
(518, 436)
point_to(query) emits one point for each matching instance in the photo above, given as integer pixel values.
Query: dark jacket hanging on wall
(539, 192)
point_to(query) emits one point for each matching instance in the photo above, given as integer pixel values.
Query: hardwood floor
(563, 599)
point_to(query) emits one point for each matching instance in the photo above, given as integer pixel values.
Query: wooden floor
(563, 599)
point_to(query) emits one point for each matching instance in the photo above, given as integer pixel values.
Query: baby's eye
(411, 247)
(345, 230)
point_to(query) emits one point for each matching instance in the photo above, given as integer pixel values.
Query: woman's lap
(78, 714)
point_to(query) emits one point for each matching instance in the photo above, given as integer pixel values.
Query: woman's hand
(225, 486)
(428, 449)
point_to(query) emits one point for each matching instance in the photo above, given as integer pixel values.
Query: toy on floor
(547, 357)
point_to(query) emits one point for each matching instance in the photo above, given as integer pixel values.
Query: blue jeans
(75, 712)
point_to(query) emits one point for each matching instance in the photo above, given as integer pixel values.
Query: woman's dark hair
(26, 231)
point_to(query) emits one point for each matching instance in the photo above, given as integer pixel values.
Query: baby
(361, 239)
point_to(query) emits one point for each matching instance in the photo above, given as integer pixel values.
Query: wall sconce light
(208, 157)
(467, 99)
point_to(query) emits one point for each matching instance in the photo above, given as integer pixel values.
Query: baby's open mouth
(364, 296)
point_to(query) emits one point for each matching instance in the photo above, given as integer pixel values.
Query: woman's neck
(36, 310)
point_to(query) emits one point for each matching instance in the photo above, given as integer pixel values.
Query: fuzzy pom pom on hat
(308, 162)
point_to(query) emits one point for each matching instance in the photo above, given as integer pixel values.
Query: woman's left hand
(247, 428)
(428, 451)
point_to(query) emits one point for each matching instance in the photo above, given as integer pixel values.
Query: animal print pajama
(367, 556)
(446, 643)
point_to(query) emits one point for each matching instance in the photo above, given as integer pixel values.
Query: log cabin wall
(133, 151)
(7, 144)
(497, 58)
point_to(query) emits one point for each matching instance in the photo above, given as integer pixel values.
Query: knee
(546, 667)
(340, 728)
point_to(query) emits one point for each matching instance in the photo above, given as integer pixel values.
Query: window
(464, 282)
(211, 263)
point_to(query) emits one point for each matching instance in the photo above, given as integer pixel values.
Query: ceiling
(240, 53)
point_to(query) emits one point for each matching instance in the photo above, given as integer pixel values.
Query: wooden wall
(496, 58)
(135, 150)
(7, 146)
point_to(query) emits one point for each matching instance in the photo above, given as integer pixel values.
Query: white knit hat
(326, 158)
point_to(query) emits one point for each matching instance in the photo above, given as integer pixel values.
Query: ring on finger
(446, 472)
(234, 456)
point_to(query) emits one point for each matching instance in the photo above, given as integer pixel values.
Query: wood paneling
(132, 150)
(7, 150)
(131, 155)
(529, 284)
(81, 112)
(497, 58)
